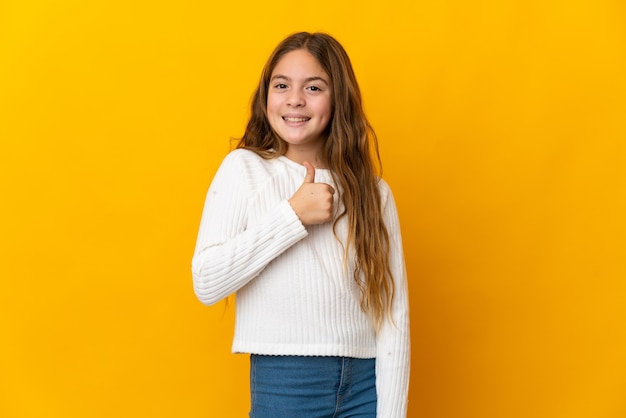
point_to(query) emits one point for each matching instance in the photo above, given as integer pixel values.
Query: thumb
(310, 172)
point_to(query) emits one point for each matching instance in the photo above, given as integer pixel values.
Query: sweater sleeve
(393, 339)
(230, 251)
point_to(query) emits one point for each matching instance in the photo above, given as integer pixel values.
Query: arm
(393, 352)
(230, 251)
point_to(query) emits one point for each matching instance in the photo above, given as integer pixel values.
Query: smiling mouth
(288, 119)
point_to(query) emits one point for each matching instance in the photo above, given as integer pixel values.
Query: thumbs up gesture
(313, 202)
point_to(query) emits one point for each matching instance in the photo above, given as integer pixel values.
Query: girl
(298, 224)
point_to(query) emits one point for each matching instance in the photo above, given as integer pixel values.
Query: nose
(296, 99)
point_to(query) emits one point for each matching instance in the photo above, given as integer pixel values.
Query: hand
(313, 202)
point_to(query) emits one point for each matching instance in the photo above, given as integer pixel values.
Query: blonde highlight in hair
(351, 153)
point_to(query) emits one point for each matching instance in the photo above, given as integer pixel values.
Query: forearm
(393, 366)
(222, 265)
(393, 342)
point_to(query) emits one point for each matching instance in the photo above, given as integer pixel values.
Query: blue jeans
(312, 387)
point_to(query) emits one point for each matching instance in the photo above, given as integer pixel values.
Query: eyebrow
(306, 80)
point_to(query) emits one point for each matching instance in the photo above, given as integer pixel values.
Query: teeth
(296, 119)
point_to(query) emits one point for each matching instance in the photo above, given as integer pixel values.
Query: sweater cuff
(286, 225)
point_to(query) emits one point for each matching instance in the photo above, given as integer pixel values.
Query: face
(299, 101)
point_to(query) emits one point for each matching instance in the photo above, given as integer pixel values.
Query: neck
(300, 154)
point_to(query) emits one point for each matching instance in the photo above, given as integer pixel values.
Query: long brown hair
(351, 153)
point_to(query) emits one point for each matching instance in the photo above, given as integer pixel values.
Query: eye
(280, 86)
(314, 88)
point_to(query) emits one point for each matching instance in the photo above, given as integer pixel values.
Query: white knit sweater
(294, 293)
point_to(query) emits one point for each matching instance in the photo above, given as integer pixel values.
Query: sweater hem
(304, 350)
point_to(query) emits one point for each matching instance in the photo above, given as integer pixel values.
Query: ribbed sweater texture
(295, 294)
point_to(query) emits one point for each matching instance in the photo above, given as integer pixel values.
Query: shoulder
(385, 191)
(245, 166)
(243, 161)
(235, 167)
(389, 208)
(241, 156)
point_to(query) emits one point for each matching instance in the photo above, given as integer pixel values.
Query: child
(297, 223)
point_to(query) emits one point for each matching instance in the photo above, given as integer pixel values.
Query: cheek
(271, 112)
(270, 103)
(274, 102)
(327, 110)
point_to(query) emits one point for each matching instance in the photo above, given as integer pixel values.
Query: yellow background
(502, 129)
